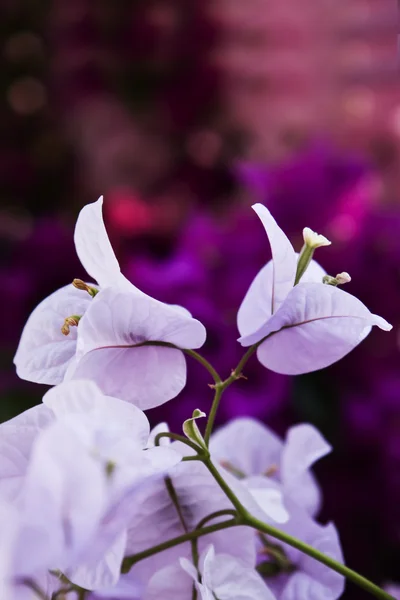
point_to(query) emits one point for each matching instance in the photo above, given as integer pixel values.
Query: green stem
(177, 438)
(243, 361)
(219, 513)
(192, 353)
(175, 501)
(317, 555)
(204, 362)
(219, 389)
(304, 260)
(129, 561)
(221, 386)
(224, 486)
(190, 458)
(243, 517)
(62, 592)
(248, 519)
(69, 586)
(31, 584)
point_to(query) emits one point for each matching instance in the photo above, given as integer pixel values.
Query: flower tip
(243, 341)
(261, 209)
(382, 323)
(343, 278)
(313, 239)
(70, 322)
(257, 207)
(80, 285)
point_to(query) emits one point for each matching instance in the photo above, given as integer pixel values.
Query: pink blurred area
(154, 97)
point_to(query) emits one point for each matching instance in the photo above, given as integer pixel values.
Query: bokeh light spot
(26, 96)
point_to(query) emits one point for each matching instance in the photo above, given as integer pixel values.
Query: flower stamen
(70, 322)
(81, 285)
(272, 470)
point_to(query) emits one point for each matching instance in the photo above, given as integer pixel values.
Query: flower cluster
(94, 504)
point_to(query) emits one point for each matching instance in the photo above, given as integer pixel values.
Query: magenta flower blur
(304, 327)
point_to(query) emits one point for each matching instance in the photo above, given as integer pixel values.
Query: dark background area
(182, 113)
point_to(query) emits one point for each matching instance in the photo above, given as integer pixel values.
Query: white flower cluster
(88, 492)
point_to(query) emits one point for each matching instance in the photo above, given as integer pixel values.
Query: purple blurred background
(182, 113)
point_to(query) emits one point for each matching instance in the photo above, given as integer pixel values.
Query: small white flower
(313, 239)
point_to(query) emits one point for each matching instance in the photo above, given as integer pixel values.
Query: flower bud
(340, 279)
(343, 278)
(191, 430)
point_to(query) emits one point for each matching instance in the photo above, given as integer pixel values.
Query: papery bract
(247, 448)
(310, 579)
(44, 353)
(17, 437)
(117, 434)
(84, 457)
(9, 524)
(156, 519)
(19, 570)
(65, 496)
(121, 319)
(307, 327)
(93, 247)
(113, 349)
(57, 513)
(222, 576)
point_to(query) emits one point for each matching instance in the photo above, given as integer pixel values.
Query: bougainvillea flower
(219, 576)
(303, 327)
(45, 353)
(24, 556)
(248, 449)
(9, 523)
(121, 431)
(156, 519)
(290, 573)
(114, 351)
(82, 452)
